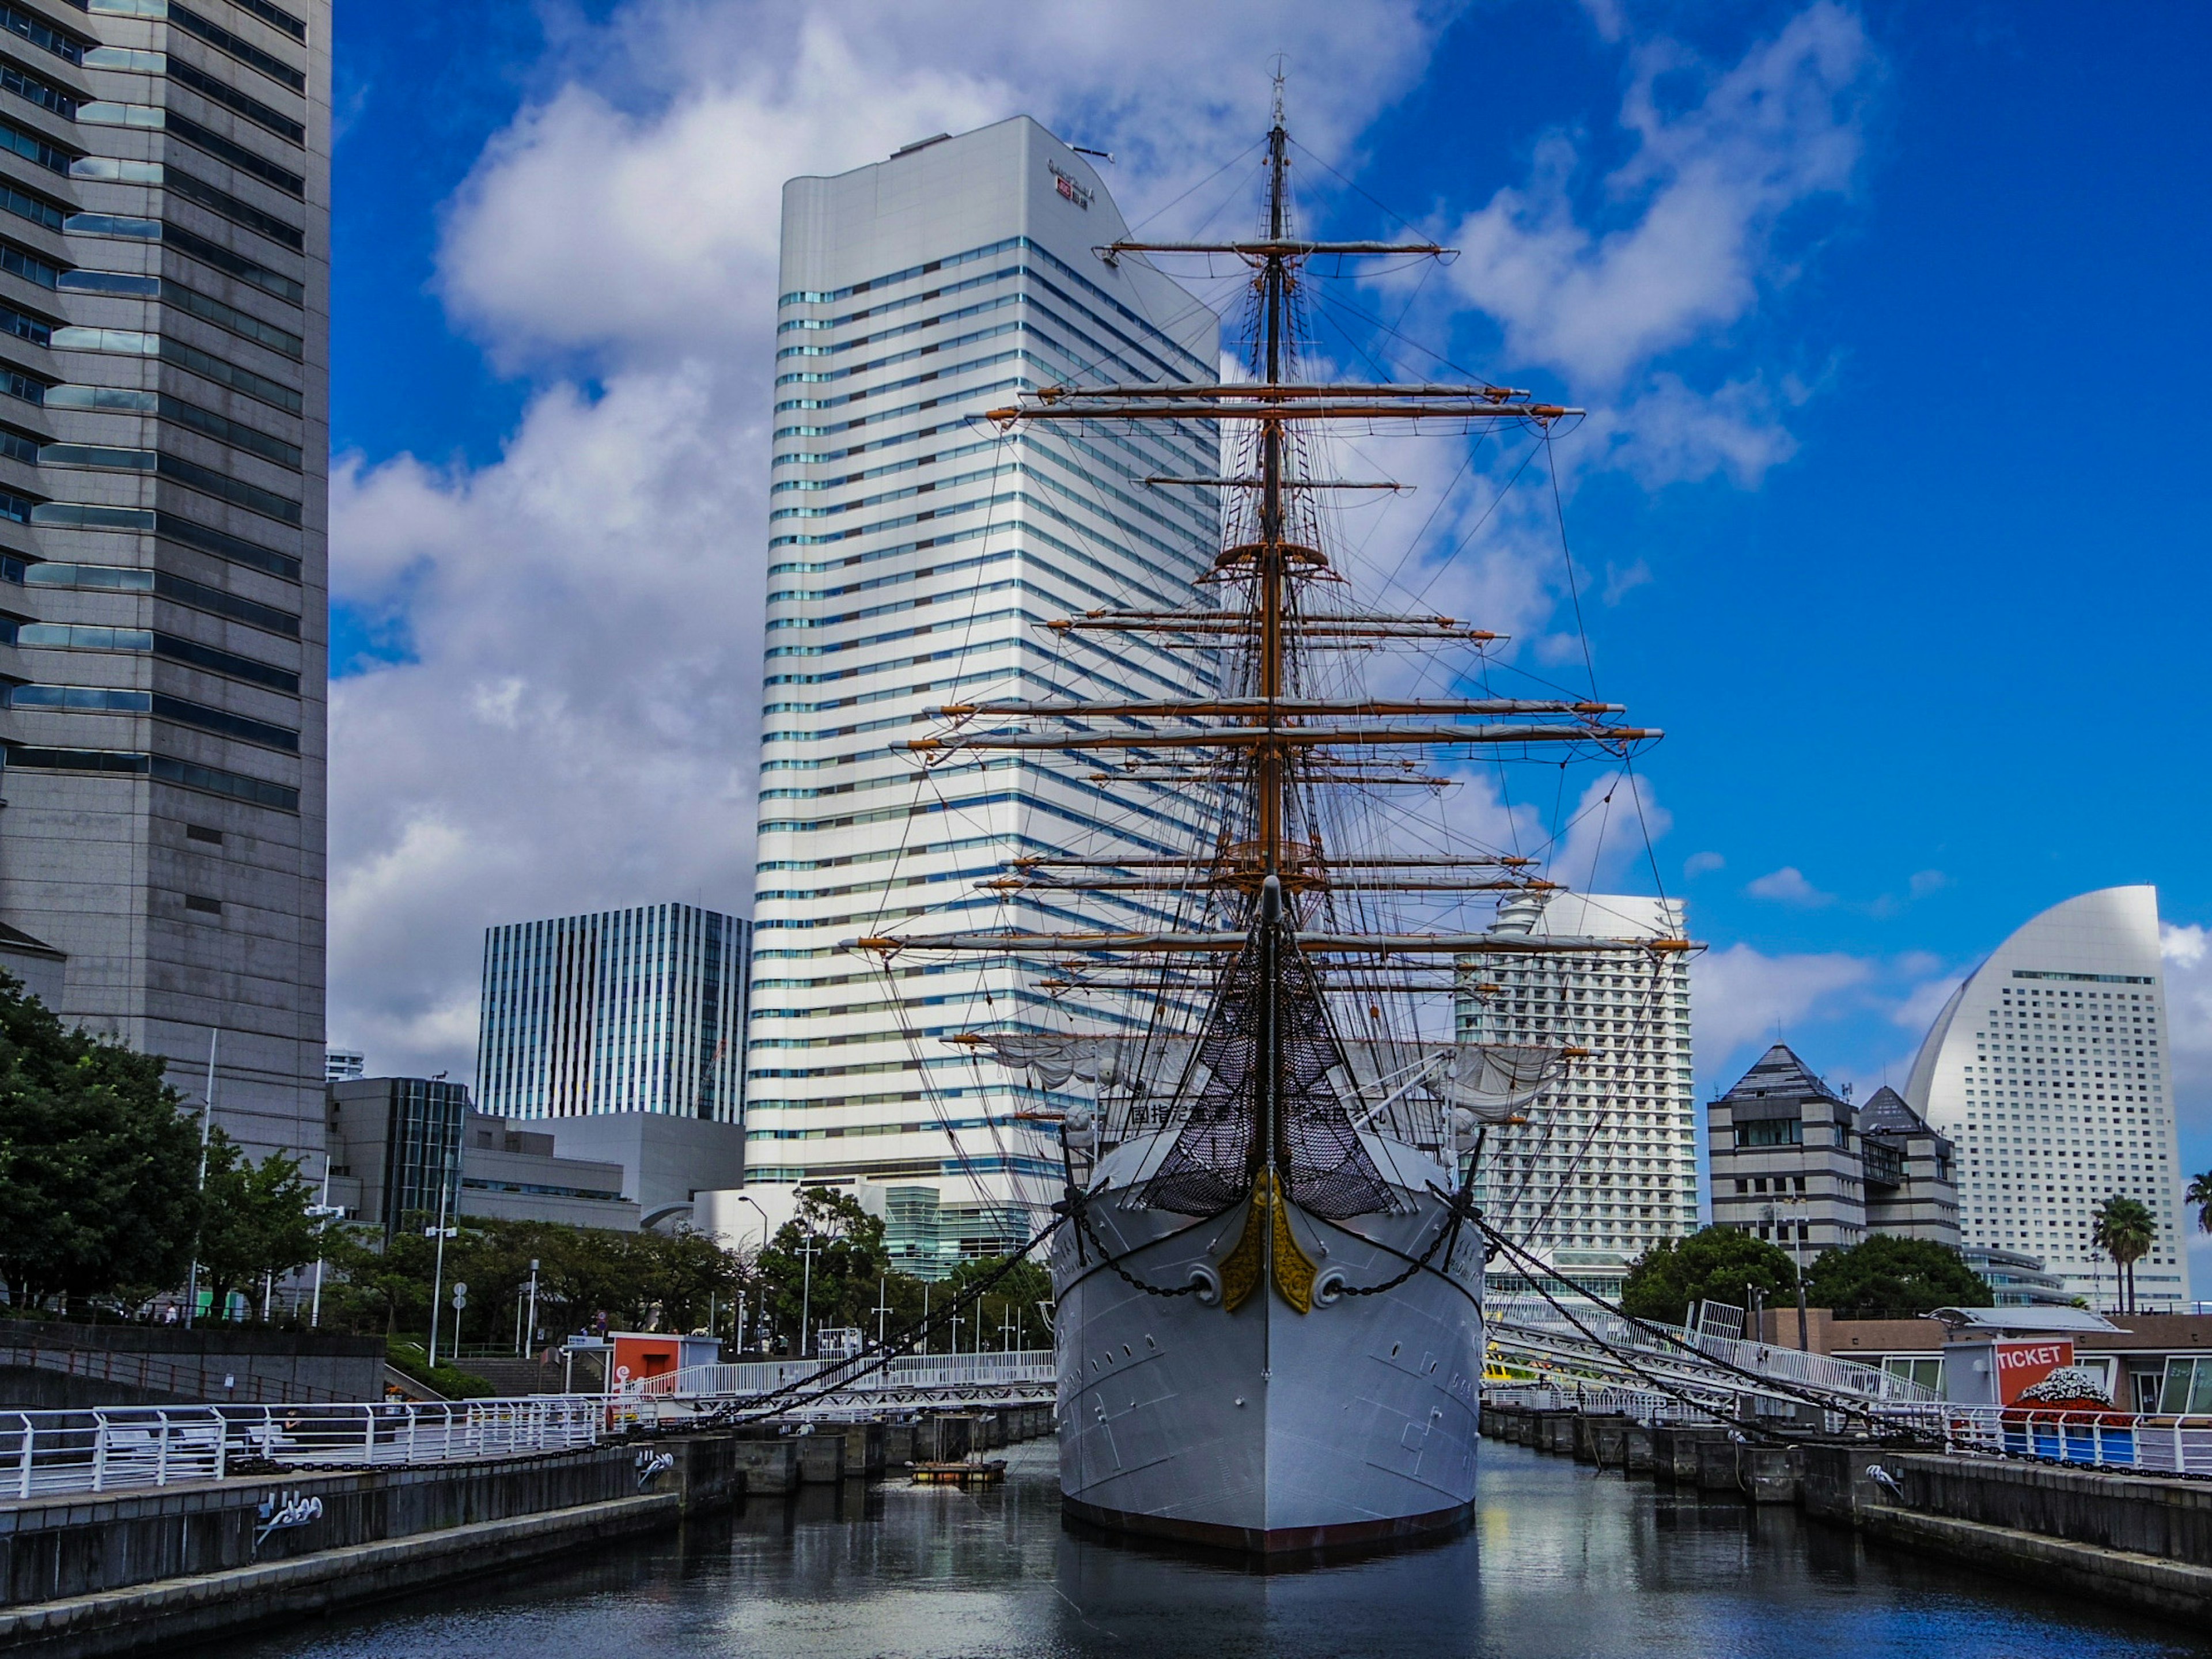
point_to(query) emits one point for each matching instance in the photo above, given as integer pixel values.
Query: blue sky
(1900, 528)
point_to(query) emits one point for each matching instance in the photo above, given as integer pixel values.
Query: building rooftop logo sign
(1065, 181)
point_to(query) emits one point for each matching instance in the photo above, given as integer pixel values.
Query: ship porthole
(1394, 1346)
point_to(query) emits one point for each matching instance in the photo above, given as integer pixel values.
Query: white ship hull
(1264, 1429)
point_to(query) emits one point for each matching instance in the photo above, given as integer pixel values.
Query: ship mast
(1269, 879)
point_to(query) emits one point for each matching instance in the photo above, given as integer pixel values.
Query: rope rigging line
(805, 1390)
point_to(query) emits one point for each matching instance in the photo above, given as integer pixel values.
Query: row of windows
(130, 579)
(238, 103)
(175, 180)
(237, 786)
(234, 154)
(31, 90)
(1093, 494)
(72, 515)
(237, 491)
(32, 148)
(128, 400)
(1119, 568)
(91, 636)
(1193, 365)
(237, 46)
(814, 377)
(89, 699)
(124, 342)
(27, 26)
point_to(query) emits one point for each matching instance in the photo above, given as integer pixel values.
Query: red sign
(2022, 1364)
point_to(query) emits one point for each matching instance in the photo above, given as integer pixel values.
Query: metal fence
(192, 1376)
(1673, 1348)
(921, 1373)
(117, 1447)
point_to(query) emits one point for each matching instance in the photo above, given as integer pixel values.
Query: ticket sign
(2019, 1365)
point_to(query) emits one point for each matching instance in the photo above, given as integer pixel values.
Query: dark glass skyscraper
(164, 323)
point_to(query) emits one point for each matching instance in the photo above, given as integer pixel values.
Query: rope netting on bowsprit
(1211, 1166)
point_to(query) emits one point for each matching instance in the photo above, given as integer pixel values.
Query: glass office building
(916, 554)
(164, 306)
(622, 1010)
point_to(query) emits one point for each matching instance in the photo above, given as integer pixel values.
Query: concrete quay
(2138, 1541)
(146, 1569)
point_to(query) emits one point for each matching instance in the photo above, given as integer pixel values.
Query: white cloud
(2187, 949)
(578, 724)
(1788, 885)
(1698, 863)
(1741, 995)
(1680, 243)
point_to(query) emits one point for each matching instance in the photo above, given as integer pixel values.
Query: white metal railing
(109, 1448)
(1675, 1348)
(909, 1374)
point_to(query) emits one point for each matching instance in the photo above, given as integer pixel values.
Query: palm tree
(2200, 1194)
(2125, 1231)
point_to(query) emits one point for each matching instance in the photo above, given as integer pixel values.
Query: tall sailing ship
(1269, 1281)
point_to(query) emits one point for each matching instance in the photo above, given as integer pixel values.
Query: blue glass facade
(624, 1011)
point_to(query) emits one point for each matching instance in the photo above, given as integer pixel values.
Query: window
(225, 724)
(31, 147)
(36, 330)
(210, 367)
(21, 262)
(200, 832)
(231, 265)
(34, 90)
(227, 663)
(236, 434)
(178, 182)
(236, 46)
(79, 698)
(234, 321)
(16, 383)
(28, 27)
(204, 906)
(235, 156)
(238, 103)
(1771, 1132)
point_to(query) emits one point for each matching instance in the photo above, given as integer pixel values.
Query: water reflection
(1558, 1565)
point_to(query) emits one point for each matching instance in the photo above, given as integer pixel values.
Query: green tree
(255, 1223)
(99, 1168)
(1714, 1265)
(2200, 1194)
(2125, 1229)
(1894, 1277)
(824, 1266)
(1008, 1309)
(640, 1281)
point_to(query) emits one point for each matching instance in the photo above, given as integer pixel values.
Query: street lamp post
(441, 1232)
(805, 1294)
(207, 1125)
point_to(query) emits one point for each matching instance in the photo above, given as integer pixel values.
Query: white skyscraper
(2048, 1069)
(916, 555)
(1607, 1165)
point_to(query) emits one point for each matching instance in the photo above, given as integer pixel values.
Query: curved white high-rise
(2048, 1069)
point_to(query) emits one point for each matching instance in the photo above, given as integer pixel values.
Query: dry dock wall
(2137, 1541)
(153, 1569)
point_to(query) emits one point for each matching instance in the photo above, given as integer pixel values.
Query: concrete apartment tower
(164, 330)
(1607, 1165)
(2049, 1069)
(915, 555)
